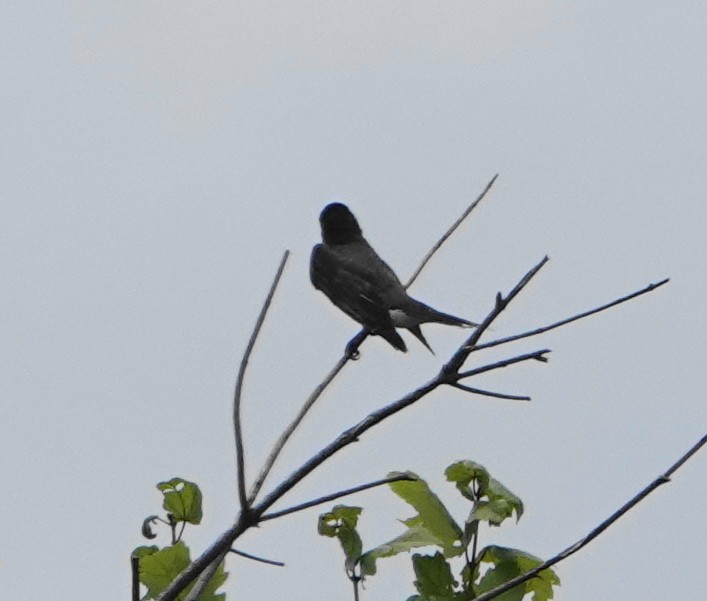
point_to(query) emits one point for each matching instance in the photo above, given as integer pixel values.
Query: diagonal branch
(289, 430)
(535, 355)
(220, 546)
(202, 581)
(449, 232)
(563, 322)
(333, 496)
(454, 364)
(270, 562)
(237, 424)
(344, 439)
(660, 480)
(489, 393)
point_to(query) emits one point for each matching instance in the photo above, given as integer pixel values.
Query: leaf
(182, 499)
(493, 502)
(159, 569)
(144, 551)
(462, 473)
(434, 577)
(413, 538)
(340, 523)
(507, 564)
(498, 493)
(432, 514)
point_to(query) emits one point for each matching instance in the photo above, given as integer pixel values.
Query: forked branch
(237, 424)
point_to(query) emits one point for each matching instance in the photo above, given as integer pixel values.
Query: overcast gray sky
(157, 159)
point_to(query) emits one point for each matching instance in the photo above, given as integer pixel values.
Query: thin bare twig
(454, 364)
(449, 232)
(563, 322)
(333, 497)
(289, 430)
(535, 355)
(663, 479)
(271, 562)
(495, 395)
(237, 425)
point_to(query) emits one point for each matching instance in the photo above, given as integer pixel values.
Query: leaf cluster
(158, 567)
(433, 526)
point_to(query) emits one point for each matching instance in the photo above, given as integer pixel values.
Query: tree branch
(663, 479)
(289, 430)
(457, 360)
(535, 355)
(237, 425)
(343, 440)
(495, 395)
(333, 497)
(221, 545)
(203, 579)
(270, 562)
(449, 232)
(563, 322)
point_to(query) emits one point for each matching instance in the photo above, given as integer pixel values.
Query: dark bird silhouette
(362, 285)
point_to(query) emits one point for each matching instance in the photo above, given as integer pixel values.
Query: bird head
(339, 226)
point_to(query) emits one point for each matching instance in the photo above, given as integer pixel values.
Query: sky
(158, 159)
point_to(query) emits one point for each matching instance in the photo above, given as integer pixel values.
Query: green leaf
(493, 502)
(434, 577)
(340, 523)
(432, 514)
(159, 569)
(144, 551)
(462, 473)
(413, 538)
(182, 499)
(507, 564)
(497, 493)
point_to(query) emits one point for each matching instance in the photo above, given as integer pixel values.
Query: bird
(350, 273)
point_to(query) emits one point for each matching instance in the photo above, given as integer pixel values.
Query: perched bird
(362, 285)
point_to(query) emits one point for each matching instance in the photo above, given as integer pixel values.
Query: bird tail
(425, 313)
(394, 339)
(418, 334)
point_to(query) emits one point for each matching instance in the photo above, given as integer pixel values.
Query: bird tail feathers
(425, 313)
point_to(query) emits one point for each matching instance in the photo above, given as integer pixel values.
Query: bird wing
(348, 284)
(357, 281)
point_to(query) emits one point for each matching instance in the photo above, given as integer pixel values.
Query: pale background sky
(157, 159)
